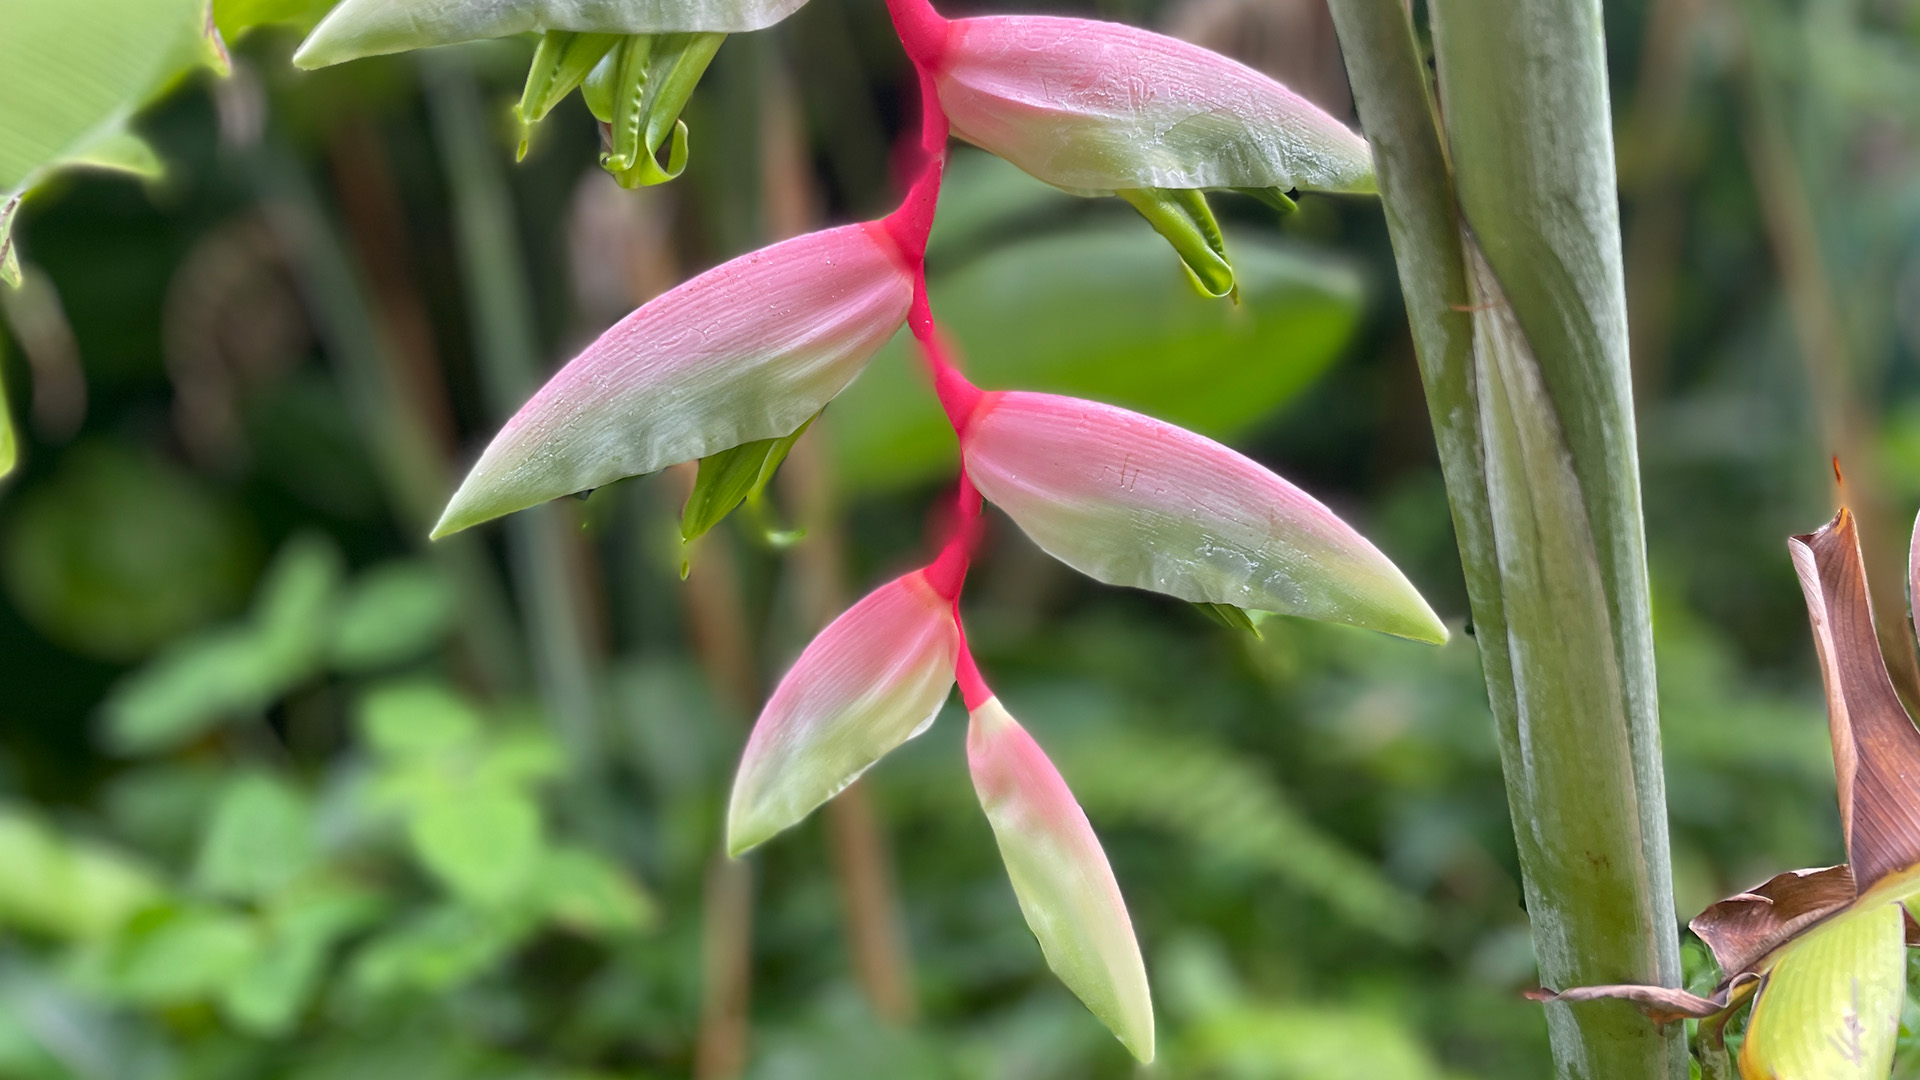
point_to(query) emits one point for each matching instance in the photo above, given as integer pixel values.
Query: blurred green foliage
(286, 792)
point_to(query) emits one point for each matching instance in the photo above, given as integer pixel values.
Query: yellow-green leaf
(1830, 1008)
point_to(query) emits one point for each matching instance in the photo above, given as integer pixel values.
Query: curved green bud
(1281, 201)
(1183, 217)
(562, 62)
(626, 66)
(638, 90)
(732, 476)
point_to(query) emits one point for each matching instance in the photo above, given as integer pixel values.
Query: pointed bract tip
(1060, 875)
(742, 835)
(317, 51)
(874, 678)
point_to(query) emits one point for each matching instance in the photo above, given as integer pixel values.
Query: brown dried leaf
(1662, 1003)
(1742, 929)
(1876, 749)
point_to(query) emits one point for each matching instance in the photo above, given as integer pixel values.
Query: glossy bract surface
(1130, 500)
(1060, 875)
(749, 350)
(874, 678)
(1095, 107)
(359, 28)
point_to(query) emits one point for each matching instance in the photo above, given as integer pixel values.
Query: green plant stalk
(1507, 239)
(505, 342)
(411, 469)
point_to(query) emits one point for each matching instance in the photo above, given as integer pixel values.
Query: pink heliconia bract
(1094, 107)
(1131, 500)
(1060, 875)
(748, 350)
(874, 678)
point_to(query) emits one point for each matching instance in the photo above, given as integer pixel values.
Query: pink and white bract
(874, 678)
(1130, 500)
(748, 350)
(1060, 875)
(1095, 107)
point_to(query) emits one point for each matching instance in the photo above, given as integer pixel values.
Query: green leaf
(1830, 1008)
(122, 152)
(482, 843)
(731, 476)
(1102, 313)
(1322, 1043)
(589, 894)
(259, 840)
(174, 955)
(413, 719)
(235, 17)
(118, 552)
(392, 613)
(194, 687)
(295, 609)
(63, 887)
(10, 277)
(517, 757)
(235, 671)
(71, 74)
(266, 995)
(437, 950)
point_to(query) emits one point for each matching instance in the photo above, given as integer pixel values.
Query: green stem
(541, 542)
(1510, 264)
(363, 347)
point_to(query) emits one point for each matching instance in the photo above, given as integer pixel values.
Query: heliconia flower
(1821, 953)
(357, 28)
(748, 350)
(1099, 108)
(1096, 107)
(1060, 875)
(1130, 500)
(874, 678)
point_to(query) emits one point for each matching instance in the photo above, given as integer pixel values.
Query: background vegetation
(284, 791)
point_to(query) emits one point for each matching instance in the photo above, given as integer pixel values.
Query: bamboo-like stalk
(862, 864)
(717, 625)
(547, 557)
(363, 347)
(1507, 236)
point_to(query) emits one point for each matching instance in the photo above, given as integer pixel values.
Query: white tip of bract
(1130, 500)
(748, 350)
(1097, 107)
(1060, 875)
(357, 28)
(874, 678)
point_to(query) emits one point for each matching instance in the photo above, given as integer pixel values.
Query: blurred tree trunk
(1505, 225)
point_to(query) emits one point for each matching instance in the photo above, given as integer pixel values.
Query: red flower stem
(923, 35)
(923, 32)
(973, 688)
